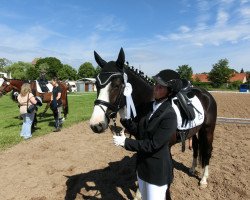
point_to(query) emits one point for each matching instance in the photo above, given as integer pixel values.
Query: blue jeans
(26, 127)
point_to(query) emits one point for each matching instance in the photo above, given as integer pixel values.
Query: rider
(153, 134)
(43, 81)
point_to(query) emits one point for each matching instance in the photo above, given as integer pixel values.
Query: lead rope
(114, 130)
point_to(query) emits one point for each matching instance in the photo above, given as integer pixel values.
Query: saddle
(186, 110)
(43, 87)
(183, 102)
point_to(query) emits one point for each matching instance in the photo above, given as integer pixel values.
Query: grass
(80, 109)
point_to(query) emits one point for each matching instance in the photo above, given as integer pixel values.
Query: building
(201, 77)
(242, 77)
(86, 85)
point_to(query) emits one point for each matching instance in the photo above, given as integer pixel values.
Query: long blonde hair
(25, 89)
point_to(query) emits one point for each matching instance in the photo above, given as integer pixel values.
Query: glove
(119, 140)
(39, 101)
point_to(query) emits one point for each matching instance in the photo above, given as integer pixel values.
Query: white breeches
(150, 191)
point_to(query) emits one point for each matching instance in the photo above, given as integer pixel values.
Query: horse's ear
(121, 59)
(99, 60)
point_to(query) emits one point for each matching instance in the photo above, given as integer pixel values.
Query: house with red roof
(201, 78)
(242, 77)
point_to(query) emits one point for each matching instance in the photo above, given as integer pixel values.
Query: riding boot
(57, 126)
(60, 121)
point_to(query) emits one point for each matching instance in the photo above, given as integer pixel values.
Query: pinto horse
(110, 101)
(16, 84)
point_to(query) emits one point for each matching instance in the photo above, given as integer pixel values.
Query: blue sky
(155, 34)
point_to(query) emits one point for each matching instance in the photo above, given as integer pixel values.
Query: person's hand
(119, 140)
(39, 101)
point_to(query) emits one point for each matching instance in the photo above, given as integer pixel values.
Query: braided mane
(140, 74)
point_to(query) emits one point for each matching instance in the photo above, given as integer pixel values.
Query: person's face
(53, 82)
(160, 91)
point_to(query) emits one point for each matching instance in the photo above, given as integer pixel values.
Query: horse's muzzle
(98, 128)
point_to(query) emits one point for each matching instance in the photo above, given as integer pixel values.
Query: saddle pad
(199, 114)
(49, 86)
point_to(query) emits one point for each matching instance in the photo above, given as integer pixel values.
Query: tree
(185, 72)
(86, 70)
(67, 73)
(3, 63)
(97, 70)
(19, 70)
(242, 70)
(221, 73)
(32, 73)
(54, 65)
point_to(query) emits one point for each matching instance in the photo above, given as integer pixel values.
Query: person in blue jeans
(26, 99)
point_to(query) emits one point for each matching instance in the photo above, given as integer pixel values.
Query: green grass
(80, 109)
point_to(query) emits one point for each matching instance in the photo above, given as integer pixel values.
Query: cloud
(110, 23)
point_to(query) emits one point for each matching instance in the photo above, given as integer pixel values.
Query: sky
(155, 34)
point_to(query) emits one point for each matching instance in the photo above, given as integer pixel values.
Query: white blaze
(98, 114)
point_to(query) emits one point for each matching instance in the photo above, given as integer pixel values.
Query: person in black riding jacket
(153, 133)
(43, 81)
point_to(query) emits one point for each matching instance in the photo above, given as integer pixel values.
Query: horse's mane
(140, 74)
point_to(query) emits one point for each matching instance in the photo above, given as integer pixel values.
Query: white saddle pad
(199, 114)
(49, 86)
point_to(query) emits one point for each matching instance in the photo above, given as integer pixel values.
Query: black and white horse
(111, 100)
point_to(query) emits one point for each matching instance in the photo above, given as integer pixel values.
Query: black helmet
(169, 78)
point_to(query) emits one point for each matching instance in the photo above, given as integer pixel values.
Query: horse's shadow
(117, 181)
(180, 167)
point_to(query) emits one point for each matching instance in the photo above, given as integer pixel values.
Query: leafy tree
(19, 70)
(185, 72)
(32, 73)
(220, 73)
(54, 65)
(86, 70)
(67, 73)
(97, 70)
(3, 63)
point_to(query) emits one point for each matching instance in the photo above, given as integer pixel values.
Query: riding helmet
(169, 78)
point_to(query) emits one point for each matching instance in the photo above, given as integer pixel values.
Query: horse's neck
(17, 84)
(142, 90)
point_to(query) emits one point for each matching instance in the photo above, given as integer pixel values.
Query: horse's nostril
(98, 128)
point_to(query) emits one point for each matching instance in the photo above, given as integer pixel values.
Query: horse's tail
(66, 108)
(206, 133)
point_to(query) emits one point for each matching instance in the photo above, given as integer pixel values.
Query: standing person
(26, 99)
(56, 103)
(153, 133)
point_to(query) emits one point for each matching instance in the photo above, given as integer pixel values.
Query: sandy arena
(77, 164)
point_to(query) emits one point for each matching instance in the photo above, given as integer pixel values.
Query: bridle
(114, 107)
(4, 85)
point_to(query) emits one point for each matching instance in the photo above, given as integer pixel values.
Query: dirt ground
(77, 164)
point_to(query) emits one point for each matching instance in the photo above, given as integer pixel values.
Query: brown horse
(110, 100)
(16, 84)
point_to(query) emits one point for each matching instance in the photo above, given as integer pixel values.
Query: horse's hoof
(203, 185)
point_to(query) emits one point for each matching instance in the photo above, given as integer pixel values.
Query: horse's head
(5, 87)
(110, 87)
